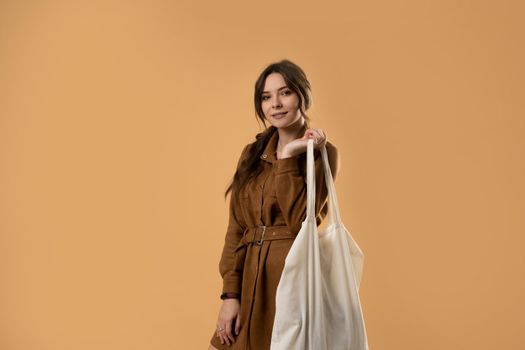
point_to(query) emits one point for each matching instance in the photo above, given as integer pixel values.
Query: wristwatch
(230, 296)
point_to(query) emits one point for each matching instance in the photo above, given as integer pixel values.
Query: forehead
(274, 81)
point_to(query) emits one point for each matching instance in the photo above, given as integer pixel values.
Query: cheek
(293, 101)
(265, 107)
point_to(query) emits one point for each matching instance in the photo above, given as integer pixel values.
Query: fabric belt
(259, 234)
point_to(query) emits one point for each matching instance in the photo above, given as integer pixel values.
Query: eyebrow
(282, 87)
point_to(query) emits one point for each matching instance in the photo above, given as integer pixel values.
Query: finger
(229, 332)
(220, 333)
(224, 339)
(322, 136)
(316, 136)
(224, 335)
(237, 325)
(310, 134)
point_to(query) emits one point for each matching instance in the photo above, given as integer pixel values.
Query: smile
(279, 115)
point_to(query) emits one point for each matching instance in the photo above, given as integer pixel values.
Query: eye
(287, 92)
(264, 98)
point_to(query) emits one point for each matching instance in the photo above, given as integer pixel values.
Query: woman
(268, 206)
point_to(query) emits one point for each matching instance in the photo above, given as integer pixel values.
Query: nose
(277, 102)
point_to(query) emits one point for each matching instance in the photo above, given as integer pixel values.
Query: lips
(279, 115)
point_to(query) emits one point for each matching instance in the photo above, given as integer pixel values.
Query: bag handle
(334, 215)
(310, 181)
(333, 204)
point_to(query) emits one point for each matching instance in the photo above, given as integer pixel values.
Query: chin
(281, 123)
(284, 122)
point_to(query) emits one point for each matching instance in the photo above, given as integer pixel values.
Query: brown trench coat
(252, 261)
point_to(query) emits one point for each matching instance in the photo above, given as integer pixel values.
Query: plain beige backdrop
(121, 124)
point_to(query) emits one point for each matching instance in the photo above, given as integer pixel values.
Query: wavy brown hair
(296, 80)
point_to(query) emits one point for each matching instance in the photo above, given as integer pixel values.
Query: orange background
(121, 124)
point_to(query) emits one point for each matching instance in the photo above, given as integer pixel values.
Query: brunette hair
(296, 80)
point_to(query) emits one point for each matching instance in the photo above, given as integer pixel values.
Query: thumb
(237, 324)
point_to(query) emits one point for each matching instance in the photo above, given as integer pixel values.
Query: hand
(299, 146)
(227, 315)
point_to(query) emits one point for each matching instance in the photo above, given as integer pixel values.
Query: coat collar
(268, 154)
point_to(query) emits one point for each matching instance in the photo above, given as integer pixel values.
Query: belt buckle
(260, 241)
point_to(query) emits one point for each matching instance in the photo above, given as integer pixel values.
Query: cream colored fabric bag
(317, 301)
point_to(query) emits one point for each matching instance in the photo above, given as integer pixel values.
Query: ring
(220, 329)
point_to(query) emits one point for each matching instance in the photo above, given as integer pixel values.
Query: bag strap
(333, 205)
(310, 181)
(334, 215)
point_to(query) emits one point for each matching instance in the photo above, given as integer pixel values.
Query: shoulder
(244, 153)
(246, 150)
(331, 148)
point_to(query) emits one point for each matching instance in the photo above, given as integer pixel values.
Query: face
(279, 103)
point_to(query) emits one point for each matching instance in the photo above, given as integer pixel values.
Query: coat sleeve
(290, 182)
(229, 268)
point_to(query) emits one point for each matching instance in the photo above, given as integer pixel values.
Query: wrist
(292, 150)
(229, 295)
(288, 153)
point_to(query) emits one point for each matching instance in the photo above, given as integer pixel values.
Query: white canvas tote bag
(317, 300)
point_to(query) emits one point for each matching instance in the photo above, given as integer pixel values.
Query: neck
(290, 133)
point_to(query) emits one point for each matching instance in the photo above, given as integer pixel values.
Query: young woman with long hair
(268, 206)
